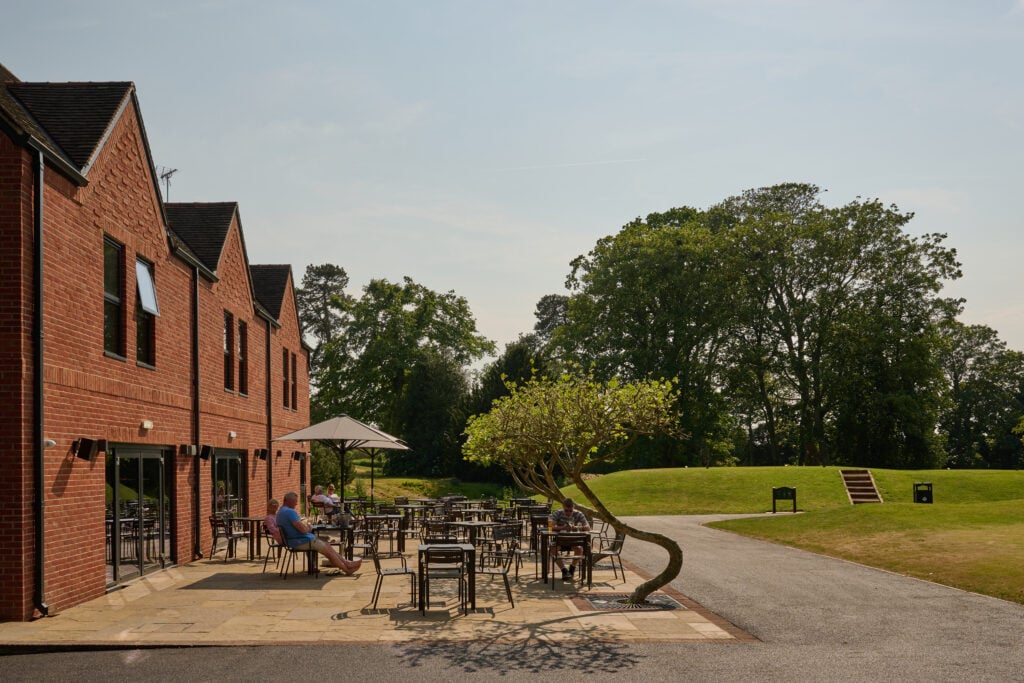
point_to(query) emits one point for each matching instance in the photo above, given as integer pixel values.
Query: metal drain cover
(617, 601)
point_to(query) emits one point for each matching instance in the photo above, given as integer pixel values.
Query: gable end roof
(75, 116)
(203, 227)
(269, 284)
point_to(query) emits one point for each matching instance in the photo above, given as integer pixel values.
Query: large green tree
(655, 300)
(798, 332)
(549, 429)
(398, 332)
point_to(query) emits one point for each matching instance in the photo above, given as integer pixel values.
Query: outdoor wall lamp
(299, 455)
(187, 449)
(83, 448)
(207, 451)
(146, 425)
(232, 435)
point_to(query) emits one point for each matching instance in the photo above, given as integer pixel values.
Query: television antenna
(165, 175)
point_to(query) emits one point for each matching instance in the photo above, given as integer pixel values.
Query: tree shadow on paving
(509, 649)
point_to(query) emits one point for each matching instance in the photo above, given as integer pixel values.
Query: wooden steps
(860, 486)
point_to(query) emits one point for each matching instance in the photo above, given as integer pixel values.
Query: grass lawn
(972, 537)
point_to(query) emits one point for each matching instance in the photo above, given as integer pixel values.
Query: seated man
(567, 519)
(331, 507)
(297, 534)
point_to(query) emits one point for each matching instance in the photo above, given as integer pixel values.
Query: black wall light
(84, 448)
(299, 455)
(207, 451)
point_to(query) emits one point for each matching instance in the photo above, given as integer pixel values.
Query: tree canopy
(547, 430)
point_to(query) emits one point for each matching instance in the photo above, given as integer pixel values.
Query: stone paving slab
(213, 603)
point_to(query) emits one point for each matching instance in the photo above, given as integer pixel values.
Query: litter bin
(923, 492)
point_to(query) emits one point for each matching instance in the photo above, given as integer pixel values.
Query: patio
(211, 602)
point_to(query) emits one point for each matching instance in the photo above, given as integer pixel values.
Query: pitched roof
(269, 283)
(75, 116)
(203, 227)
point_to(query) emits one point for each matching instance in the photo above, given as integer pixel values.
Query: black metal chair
(391, 571)
(611, 549)
(224, 527)
(565, 546)
(499, 562)
(444, 563)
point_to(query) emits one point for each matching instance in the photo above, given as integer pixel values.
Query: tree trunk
(675, 553)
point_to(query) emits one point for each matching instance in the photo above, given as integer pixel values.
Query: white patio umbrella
(343, 434)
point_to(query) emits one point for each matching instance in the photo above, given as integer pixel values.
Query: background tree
(655, 301)
(986, 398)
(397, 332)
(547, 429)
(323, 305)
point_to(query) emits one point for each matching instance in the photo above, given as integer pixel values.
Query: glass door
(138, 513)
(229, 483)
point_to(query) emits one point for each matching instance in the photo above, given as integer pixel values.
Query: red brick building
(145, 365)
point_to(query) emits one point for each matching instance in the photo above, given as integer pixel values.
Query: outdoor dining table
(400, 541)
(473, 526)
(545, 543)
(252, 527)
(469, 552)
(346, 535)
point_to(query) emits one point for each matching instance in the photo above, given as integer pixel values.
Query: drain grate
(617, 601)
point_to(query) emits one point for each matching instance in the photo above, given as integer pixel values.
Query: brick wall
(89, 394)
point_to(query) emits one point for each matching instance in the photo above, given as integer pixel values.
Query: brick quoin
(88, 394)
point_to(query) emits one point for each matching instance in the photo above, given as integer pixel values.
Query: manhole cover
(617, 601)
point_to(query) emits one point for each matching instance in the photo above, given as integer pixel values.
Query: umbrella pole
(373, 454)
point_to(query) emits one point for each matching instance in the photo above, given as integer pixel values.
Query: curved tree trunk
(675, 553)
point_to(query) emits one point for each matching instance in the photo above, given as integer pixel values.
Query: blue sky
(480, 146)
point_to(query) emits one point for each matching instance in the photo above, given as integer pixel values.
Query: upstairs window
(287, 388)
(113, 297)
(146, 311)
(295, 384)
(243, 357)
(229, 351)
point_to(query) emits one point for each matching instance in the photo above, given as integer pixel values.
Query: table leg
(472, 578)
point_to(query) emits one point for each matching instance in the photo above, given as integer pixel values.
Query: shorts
(317, 544)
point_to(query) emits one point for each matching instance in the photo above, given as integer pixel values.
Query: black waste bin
(923, 492)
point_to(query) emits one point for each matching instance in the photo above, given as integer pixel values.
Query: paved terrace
(211, 602)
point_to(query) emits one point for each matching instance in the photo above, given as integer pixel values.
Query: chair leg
(508, 590)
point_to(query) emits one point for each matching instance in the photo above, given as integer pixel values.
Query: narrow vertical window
(229, 351)
(295, 384)
(284, 370)
(113, 301)
(243, 358)
(146, 311)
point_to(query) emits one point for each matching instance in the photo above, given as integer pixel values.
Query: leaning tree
(550, 428)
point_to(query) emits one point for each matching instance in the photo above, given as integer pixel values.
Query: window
(287, 390)
(146, 310)
(113, 302)
(229, 351)
(243, 358)
(295, 385)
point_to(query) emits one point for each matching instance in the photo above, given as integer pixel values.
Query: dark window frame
(113, 301)
(285, 374)
(243, 357)
(145, 316)
(229, 351)
(295, 383)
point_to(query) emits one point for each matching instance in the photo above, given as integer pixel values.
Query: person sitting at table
(332, 495)
(331, 506)
(567, 519)
(298, 535)
(270, 521)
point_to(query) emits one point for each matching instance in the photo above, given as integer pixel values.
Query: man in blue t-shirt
(298, 535)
